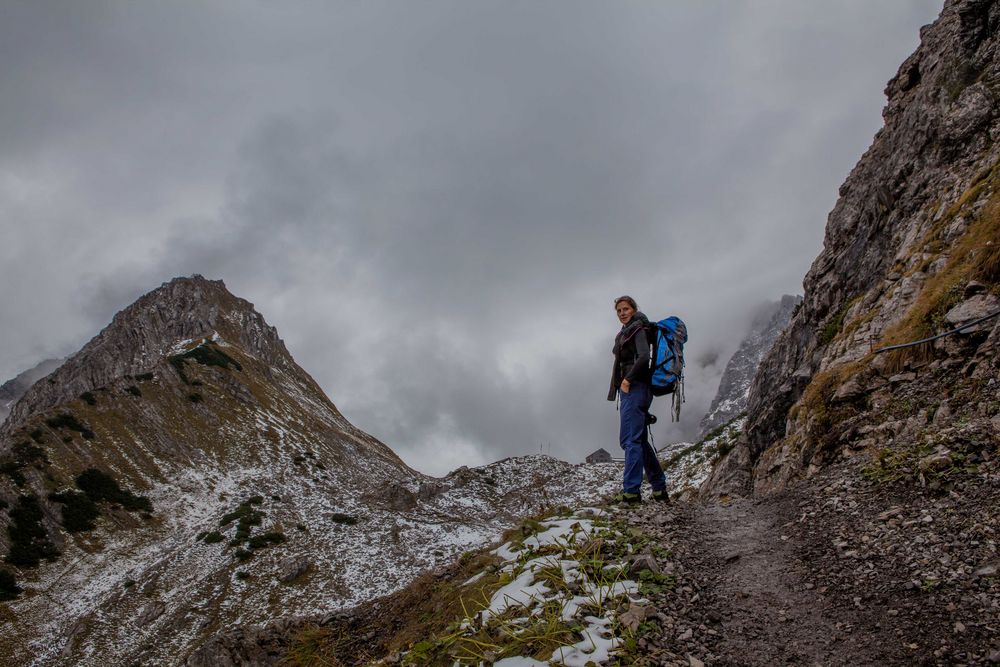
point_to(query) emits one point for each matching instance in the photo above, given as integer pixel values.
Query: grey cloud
(461, 186)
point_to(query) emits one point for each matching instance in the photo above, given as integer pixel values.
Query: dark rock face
(893, 249)
(12, 390)
(734, 387)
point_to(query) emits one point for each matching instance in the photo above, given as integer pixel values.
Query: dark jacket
(631, 352)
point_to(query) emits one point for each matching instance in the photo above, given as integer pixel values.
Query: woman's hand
(625, 386)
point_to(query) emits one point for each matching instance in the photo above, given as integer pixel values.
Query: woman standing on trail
(630, 377)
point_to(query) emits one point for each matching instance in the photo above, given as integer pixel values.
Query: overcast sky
(436, 202)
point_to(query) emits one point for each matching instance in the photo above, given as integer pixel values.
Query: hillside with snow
(229, 491)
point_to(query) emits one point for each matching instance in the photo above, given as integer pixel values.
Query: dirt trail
(766, 607)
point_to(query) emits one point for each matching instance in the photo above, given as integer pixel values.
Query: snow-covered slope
(266, 502)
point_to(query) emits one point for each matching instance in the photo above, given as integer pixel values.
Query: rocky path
(746, 596)
(772, 613)
(834, 572)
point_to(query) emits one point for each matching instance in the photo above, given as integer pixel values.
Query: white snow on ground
(194, 582)
(530, 591)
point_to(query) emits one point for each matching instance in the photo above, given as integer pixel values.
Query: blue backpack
(666, 359)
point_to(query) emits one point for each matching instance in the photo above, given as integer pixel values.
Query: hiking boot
(629, 499)
(663, 496)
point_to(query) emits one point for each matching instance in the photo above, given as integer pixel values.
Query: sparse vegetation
(26, 453)
(79, 512)
(266, 539)
(974, 256)
(12, 470)
(29, 542)
(9, 590)
(247, 517)
(100, 486)
(834, 325)
(67, 420)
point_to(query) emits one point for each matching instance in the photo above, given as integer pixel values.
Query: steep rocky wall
(912, 227)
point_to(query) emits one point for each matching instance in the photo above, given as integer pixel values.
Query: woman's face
(625, 312)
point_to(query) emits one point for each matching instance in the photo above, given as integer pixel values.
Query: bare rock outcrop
(917, 219)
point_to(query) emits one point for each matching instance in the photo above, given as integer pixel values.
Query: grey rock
(988, 570)
(644, 562)
(870, 272)
(292, 567)
(973, 308)
(974, 287)
(150, 613)
(850, 390)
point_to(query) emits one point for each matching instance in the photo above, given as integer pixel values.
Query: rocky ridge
(15, 388)
(910, 251)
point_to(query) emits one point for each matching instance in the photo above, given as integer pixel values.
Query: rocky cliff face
(911, 249)
(734, 388)
(182, 475)
(14, 389)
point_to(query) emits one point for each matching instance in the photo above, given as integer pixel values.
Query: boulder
(150, 613)
(636, 614)
(643, 562)
(291, 568)
(973, 308)
(940, 459)
(850, 390)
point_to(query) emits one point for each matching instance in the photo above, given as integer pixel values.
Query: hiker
(630, 377)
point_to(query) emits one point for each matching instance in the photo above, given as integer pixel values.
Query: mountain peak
(165, 321)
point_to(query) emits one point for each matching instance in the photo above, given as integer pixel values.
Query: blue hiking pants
(634, 439)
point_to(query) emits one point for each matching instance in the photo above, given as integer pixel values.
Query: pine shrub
(100, 486)
(29, 543)
(345, 519)
(88, 398)
(13, 470)
(79, 513)
(9, 590)
(66, 420)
